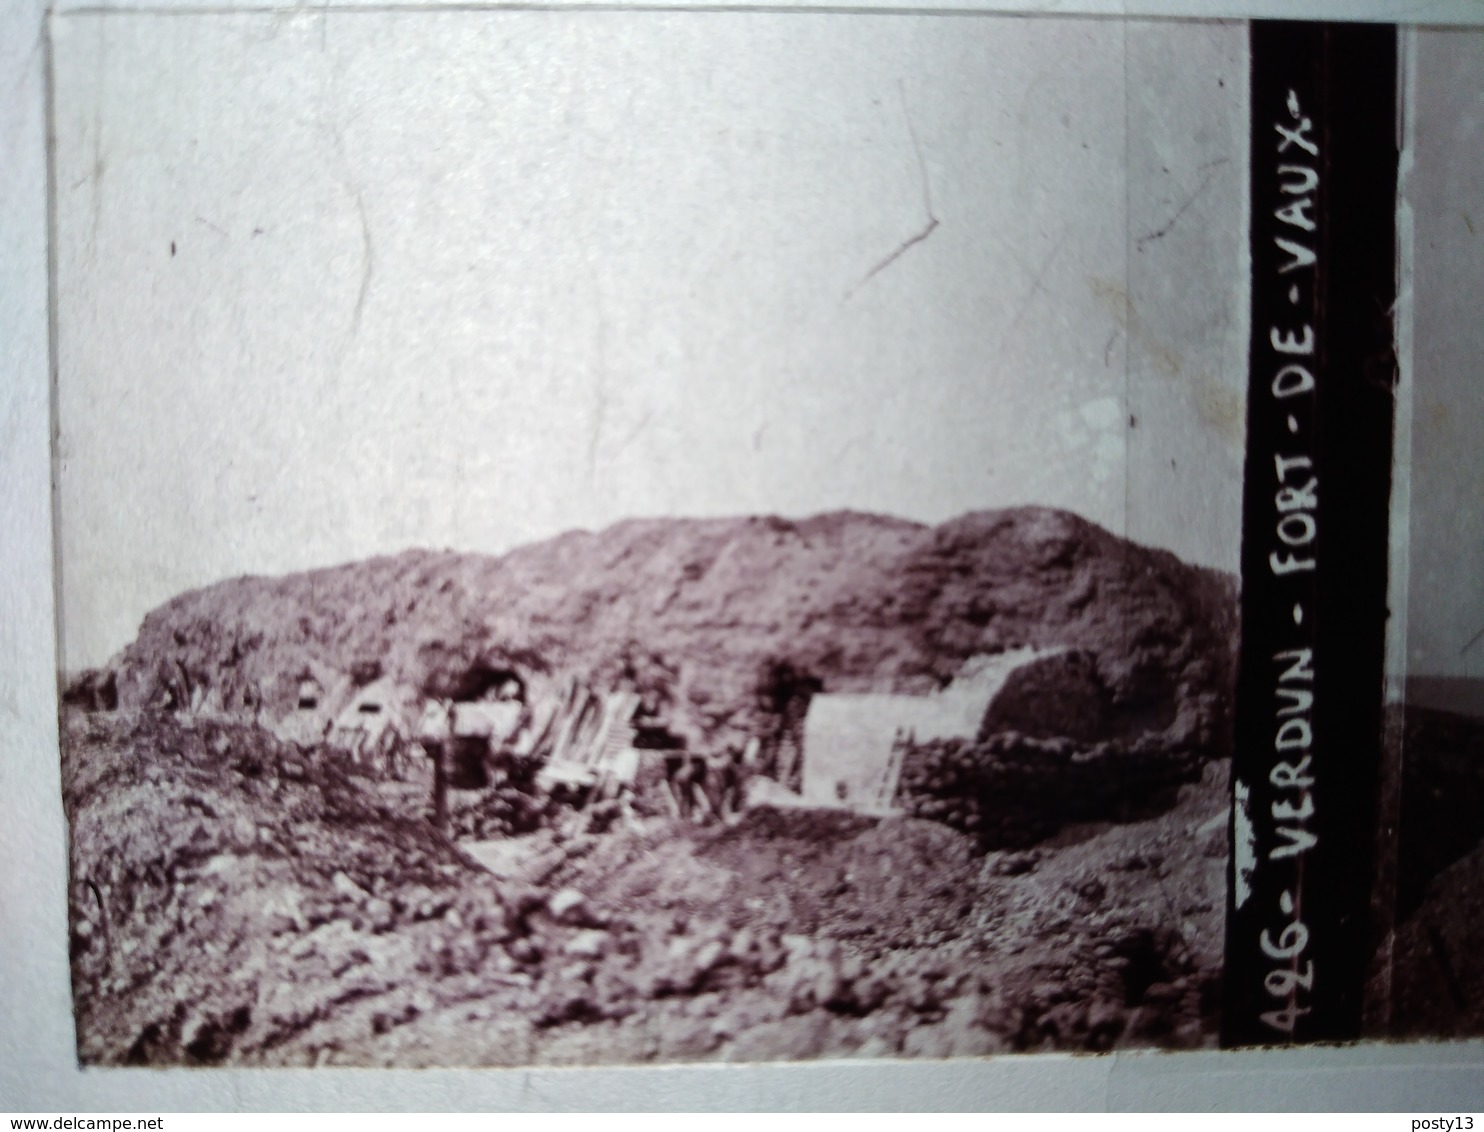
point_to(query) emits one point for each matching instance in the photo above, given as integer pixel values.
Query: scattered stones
(380, 915)
(348, 932)
(1012, 864)
(302, 949)
(591, 944)
(567, 906)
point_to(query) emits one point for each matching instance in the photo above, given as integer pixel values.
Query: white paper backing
(37, 1054)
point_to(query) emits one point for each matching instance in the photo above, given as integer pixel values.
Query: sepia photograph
(624, 537)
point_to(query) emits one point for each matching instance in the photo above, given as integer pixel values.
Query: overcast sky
(331, 286)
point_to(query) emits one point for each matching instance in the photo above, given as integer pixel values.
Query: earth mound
(703, 614)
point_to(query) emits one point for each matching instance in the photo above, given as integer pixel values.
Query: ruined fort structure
(854, 743)
(834, 644)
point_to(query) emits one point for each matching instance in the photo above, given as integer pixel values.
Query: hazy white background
(335, 285)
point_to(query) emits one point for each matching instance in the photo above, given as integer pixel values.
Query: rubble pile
(1013, 790)
(502, 811)
(227, 893)
(449, 809)
(234, 902)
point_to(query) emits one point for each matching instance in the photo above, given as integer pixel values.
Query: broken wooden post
(440, 786)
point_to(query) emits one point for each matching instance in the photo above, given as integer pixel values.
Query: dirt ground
(236, 902)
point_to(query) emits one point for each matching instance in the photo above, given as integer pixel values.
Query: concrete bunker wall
(854, 743)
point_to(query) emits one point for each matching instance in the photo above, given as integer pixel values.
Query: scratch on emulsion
(927, 200)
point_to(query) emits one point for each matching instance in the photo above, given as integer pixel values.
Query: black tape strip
(1314, 552)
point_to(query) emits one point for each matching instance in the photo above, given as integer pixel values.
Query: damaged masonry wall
(853, 744)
